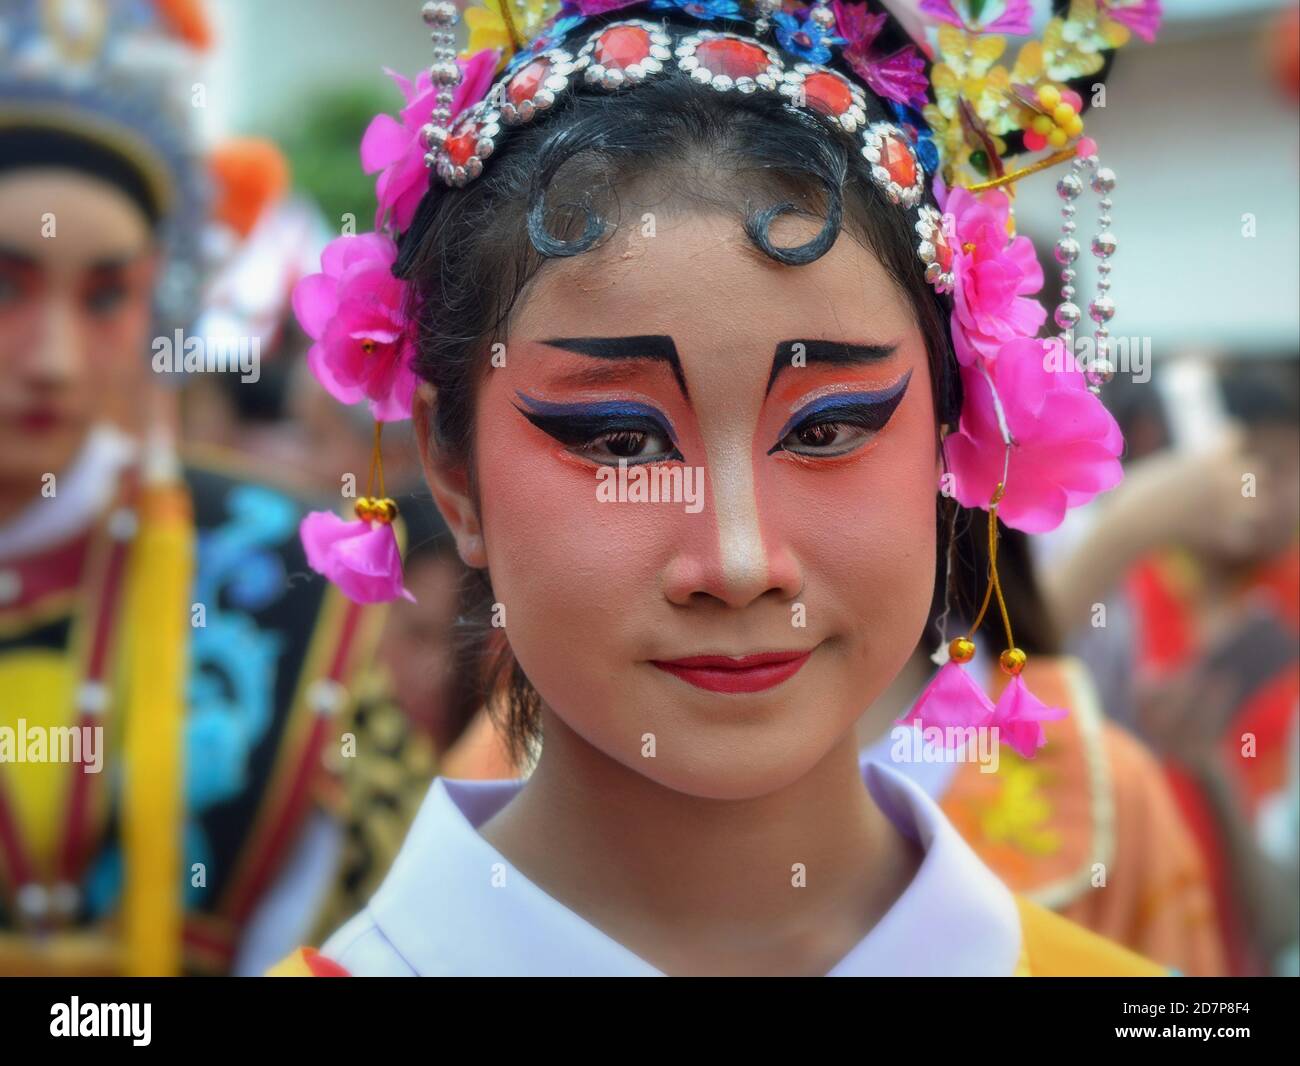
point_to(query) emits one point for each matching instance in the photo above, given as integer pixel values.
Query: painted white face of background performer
(75, 314)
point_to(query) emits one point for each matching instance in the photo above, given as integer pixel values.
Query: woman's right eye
(607, 432)
(629, 444)
(10, 290)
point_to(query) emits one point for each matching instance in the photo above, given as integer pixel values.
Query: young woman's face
(796, 403)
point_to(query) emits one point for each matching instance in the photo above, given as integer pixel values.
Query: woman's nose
(52, 356)
(733, 551)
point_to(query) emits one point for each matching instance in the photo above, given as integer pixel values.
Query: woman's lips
(39, 419)
(744, 673)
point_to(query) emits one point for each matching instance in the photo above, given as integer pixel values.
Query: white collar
(437, 912)
(81, 493)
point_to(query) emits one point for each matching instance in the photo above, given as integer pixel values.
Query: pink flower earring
(953, 699)
(361, 557)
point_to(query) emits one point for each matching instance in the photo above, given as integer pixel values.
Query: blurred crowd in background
(1185, 617)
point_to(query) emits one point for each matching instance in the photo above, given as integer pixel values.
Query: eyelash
(106, 298)
(870, 415)
(583, 432)
(865, 417)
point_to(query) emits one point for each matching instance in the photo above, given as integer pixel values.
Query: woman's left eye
(825, 438)
(107, 298)
(840, 423)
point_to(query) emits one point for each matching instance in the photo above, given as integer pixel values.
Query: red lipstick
(39, 419)
(744, 673)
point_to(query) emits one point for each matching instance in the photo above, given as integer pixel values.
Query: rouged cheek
(545, 522)
(864, 520)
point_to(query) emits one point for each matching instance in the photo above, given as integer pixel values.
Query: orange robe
(1090, 829)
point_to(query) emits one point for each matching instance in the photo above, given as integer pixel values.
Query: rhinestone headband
(630, 52)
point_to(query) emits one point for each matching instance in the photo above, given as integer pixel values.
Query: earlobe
(448, 481)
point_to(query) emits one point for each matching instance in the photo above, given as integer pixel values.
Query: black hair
(1262, 392)
(26, 147)
(557, 187)
(962, 574)
(428, 540)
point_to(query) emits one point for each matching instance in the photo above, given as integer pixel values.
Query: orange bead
(961, 650)
(1012, 661)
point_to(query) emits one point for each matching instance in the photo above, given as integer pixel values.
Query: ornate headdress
(946, 128)
(107, 86)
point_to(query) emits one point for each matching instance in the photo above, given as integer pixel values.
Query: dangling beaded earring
(382, 508)
(953, 699)
(1018, 714)
(360, 557)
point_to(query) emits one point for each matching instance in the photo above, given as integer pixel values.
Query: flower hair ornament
(946, 126)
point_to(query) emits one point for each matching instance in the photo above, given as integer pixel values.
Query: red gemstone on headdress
(524, 85)
(827, 94)
(463, 145)
(736, 59)
(622, 47)
(897, 159)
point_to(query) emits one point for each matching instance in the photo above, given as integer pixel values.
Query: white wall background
(1193, 127)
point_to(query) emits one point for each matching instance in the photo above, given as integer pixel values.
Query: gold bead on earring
(961, 649)
(1012, 661)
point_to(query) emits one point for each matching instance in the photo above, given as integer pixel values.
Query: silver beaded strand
(763, 19)
(1101, 309)
(442, 16)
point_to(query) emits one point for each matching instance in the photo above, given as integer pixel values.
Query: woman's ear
(448, 482)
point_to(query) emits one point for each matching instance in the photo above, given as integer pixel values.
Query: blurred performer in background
(1089, 827)
(1219, 662)
(159, 608)
(1193, 570)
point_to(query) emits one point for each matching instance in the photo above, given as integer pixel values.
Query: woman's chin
(746, 760)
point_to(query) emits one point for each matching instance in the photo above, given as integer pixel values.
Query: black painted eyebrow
(836, 353)
(22, 259)
(99, 266)
(656, 347)
(116, 262)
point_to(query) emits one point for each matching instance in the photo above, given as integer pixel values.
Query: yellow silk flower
(487, 27)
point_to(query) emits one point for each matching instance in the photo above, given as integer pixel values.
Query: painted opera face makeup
(75, 310)
(747, 635)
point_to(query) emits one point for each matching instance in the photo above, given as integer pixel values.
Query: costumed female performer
(699, 319)
(144, 603)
